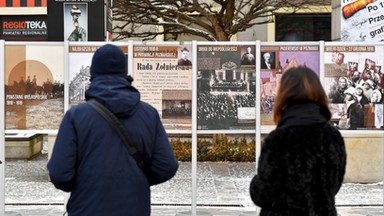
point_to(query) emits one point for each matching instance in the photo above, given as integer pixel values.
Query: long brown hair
(300, 84)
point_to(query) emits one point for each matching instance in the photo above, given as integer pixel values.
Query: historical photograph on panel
(80, 59)
(75, 21)
(177, 104)
(34, 87)
(163, 75)
(248, 57)
(225, 88)
(274, 61)
(354, 82)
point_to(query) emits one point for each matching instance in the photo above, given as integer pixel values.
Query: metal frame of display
(194, 131)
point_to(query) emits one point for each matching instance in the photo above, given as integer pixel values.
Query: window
(303, 27)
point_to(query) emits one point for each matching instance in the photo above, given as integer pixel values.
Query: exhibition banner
(163, 75)
(34, 86)
(354, 82)
(362, 20)
(275, 59)
(23, 28)
(76, 20)
(226, 87)
(79, 61)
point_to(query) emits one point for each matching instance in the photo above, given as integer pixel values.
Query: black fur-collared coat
(301, 166)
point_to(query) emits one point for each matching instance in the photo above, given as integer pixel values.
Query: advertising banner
(80, 59)
(362, 20)
(34, 87)
(76, 20)
(354, 82)
(23, 28)
(275, 60)
(226, 89)
(163, 75)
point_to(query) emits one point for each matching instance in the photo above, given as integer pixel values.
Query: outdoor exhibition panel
(199, 88)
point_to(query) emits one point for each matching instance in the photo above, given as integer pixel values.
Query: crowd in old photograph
(221, 109)
(361, 93)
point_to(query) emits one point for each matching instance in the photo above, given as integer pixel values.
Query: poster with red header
(274, 61)
(354, 82)
(163, 75)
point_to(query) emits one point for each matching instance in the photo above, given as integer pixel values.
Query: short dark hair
(300, 85)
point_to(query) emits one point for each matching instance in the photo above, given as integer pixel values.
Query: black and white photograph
(79, 72)
(248, 55)
(268, 60)
(224, 90)
(177, 104)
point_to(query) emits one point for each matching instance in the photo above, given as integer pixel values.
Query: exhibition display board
(197, 87)
(275, 59)
(163, 75)
(43, 79)
(34, 85)
(226, 86)
(79, 64)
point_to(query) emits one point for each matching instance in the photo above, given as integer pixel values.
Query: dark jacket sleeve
(340, 158)
(264, 186)
(61, 165)
(163, 163)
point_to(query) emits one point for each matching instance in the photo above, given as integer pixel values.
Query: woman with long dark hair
(302, 162)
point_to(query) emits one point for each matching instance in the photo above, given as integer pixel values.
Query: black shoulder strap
(116, 124)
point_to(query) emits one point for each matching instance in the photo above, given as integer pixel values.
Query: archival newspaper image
(80, 59)
(362, 20)
(354, 81)
(163, 75)
(226, 89)
(275, 60)
(34, 87)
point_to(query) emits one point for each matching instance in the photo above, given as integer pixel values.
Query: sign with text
(163, 75)
(362, 20)
(23, 28)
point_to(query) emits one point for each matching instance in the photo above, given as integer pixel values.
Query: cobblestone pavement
(222, 190)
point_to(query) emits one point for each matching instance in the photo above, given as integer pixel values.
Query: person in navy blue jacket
(89, 159)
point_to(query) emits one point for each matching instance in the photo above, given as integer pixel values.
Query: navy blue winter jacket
(90, 160)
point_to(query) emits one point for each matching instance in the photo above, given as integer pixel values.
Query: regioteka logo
(24, 25)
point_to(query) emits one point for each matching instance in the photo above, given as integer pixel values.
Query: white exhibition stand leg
(2, 130)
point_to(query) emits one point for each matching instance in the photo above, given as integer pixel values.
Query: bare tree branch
(214, 20)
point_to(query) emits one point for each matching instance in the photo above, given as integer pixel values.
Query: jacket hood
(115, 93)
